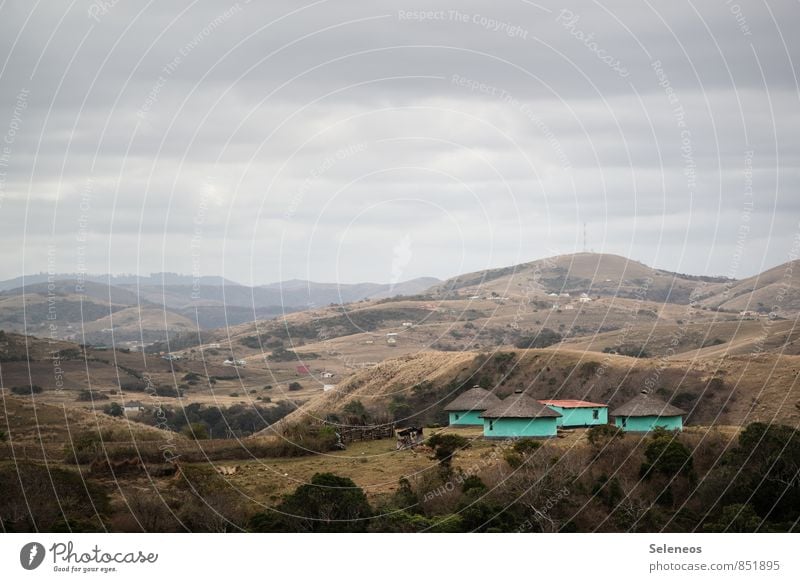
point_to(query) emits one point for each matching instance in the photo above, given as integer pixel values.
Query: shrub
(735, 518)
(525, 446)
(114, 409)
(90, 396)
(196, 431)
(295, 386)
(329, 503)
(546, 337)
(513, 458)
(666, 455)
(601, 435)
(445, 446)
(26, 390)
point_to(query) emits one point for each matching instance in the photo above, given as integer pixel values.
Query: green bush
(666, 455)
(329, 503)
(196, 431)
(445, 446)
(114, 409)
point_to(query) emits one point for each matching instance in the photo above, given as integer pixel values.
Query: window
(491, 425)
(456, 416)
(624, 421)
(595, 414)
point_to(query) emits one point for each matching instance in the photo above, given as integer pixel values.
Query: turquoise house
(645, 413)
(466, 409)
(577, 413)
(519, 416)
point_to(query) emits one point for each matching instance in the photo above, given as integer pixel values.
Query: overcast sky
(369, 141)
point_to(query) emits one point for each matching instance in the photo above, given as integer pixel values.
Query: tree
(445, 446)
(736, 518)
(329, 503)
(764, 471)
(196, 431)
(666, 455)
(115, 409)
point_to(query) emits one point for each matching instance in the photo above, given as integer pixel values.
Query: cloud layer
(348, 141)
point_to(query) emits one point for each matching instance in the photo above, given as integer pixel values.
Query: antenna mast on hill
(584, 236)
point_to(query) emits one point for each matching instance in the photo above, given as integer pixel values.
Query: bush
(90, 396)
(736, 518)
(546, 337)
(196, 431)
(666, 455)
(26, 390)
(114, 409)
(526, 446)
(601, 435)
(329, 503)
(445, 446)
(295, 386)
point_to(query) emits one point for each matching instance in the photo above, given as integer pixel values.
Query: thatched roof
(520, 406)
(473, 399)
(647, 405)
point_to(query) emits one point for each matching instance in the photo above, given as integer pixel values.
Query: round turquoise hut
(466, 409)
(519, 415)
(645, 413)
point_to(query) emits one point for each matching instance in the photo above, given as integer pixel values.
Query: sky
(345, 141)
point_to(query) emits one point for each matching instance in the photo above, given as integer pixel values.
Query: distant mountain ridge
(167, 302)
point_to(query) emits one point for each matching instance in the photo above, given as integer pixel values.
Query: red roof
(572, 403)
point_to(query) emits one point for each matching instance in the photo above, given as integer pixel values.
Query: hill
(592, 273)
(728, 391)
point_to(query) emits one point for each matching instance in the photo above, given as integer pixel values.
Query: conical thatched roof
(647, 405)
(473, 399)
(520, 406)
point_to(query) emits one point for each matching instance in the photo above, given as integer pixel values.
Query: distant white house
(569, 307)
(407, 324)
(132, 408)
(563, 294)
(584, 298)
(474, 297)
(235, 363)
(327, 374)
(552, 294)
(210, 347)
(171, 357)
(328, 387)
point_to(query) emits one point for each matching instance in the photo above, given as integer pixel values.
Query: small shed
(575, 413)
(465, 410)
(519, 415)
(409, 437)
(645, 413)
(133, 407)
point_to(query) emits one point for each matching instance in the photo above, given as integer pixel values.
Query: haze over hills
(161, 304)
(527, 297)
